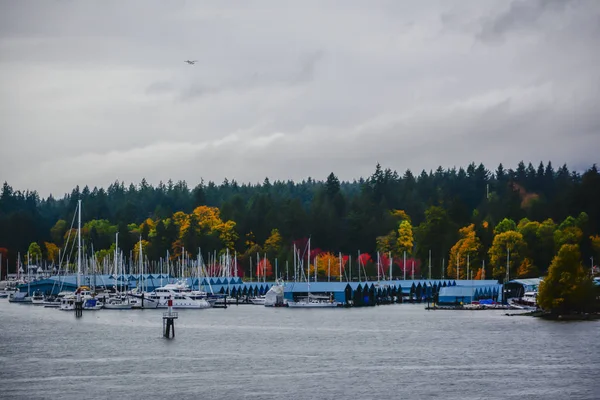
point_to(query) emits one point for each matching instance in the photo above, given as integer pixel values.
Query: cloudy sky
(97, 91)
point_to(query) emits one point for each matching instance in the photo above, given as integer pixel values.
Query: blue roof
(466, 291)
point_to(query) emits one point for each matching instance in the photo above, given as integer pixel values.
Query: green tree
(57, 232)
(505, 225)
(567, 288)
(35, 252)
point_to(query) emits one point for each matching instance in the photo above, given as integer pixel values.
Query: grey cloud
(520, 15)
(99, 91)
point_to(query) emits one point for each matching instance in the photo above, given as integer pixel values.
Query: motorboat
(54, 301)
(258, 300)
(527, 301)
(19, 297)
(180, 294)
(37, 299)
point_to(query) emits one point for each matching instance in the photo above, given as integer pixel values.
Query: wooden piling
(78, 306)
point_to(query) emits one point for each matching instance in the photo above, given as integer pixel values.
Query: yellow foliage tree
(51, 251)
(405, 237)
(227, 234)
(466, 248)
(273, 243)
(208, 216)
(136, 249)
(205, 221)
(568, 287)
(328, 264)
(509, 241)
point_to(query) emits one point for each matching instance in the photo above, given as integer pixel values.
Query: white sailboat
(83, 293)
(312, 300)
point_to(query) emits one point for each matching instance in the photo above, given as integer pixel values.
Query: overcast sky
(97, 91)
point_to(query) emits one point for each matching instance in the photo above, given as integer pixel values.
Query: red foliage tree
(264, 268)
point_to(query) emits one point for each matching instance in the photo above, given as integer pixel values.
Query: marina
(325, 354)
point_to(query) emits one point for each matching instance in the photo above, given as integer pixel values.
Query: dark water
(252, 352)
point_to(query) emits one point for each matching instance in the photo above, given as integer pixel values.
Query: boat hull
(300, 304)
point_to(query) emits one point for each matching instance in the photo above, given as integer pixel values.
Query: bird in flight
(191, 62)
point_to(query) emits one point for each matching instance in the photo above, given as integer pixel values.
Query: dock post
(169, 321)
(78, 306)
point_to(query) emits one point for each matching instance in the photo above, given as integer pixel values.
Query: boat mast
(78, 243)
(308, 270)
(340, 256)
(430, 264)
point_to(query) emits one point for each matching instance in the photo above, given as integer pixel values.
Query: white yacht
(527, 301)
(180, 294)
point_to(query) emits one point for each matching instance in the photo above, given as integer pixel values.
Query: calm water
(252, 352)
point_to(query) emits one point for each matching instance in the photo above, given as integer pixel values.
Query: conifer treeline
(444, 211)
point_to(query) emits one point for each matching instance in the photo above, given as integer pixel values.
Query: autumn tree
(506, 245)
(52, 252)
(405, 237)
(264, 269)
(136, 250)
(527, 269)
(567, 288)
(466, 250)
(387, 243)
(273, 243)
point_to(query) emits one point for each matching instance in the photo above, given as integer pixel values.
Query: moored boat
(314, 301)
(118, 303)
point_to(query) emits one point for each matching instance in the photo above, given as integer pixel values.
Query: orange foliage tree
(264, 268)
(467, 246)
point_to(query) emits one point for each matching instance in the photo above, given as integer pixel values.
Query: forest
(454, 219)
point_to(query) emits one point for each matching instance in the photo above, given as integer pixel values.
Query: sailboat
(311, 300)
(83, 293)
(120, 301)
